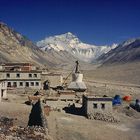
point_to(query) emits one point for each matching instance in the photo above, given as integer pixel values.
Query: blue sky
(97, 22)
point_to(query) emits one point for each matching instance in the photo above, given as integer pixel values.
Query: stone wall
(54, 79)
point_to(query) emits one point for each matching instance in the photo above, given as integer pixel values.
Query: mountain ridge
(74, 46)
(15, 47)
(127, 51)
(63, 50)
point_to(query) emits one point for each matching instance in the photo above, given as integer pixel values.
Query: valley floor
(103, 81)
(112, 80)
(128, 73)
(72, 127)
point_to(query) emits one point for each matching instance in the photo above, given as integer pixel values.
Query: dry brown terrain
(128, 73)
(16, 109)
(71, 127)
(122, 80)
(63, 126)
(111, 80)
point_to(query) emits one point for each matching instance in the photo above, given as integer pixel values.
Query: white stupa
(77, 83)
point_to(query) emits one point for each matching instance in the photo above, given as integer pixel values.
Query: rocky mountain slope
(73, 46)
(15, 47)
(126, 52)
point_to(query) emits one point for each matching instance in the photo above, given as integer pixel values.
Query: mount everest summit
(72, 45)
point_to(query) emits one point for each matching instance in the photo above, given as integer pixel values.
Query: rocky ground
(14, 117)
(15, 108)
(9, 131)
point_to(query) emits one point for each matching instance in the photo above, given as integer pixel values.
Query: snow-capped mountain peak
(71, 43)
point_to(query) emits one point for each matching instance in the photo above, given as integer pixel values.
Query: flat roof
(23, 79)
(97, 98)
(51, 74)
(16, 63)
(12, 71)
(1, 80)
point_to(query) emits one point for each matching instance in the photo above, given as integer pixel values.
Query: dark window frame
(30, 75)
(9, 84)
(32, 84)
(35, 75)
(18, 75)
(102, 105)
(8, 75)
(14, 84)
(20, 84)
(37, 83)
(95, 105)
(27, 84)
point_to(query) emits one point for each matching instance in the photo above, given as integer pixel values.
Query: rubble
(6, 122)
(102, 117)
(8, 131)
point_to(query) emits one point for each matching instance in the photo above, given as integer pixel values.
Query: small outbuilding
(3, 89)
(94, 104)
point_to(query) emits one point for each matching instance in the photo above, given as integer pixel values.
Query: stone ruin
(36, 129)
(9, 131)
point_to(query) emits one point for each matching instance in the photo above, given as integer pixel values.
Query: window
(94, 105)
(18, 75)
(14, 84)
(27, 84)
(32, 83)
(37, 83)
(9, 84)
(30, 75)
(8, 75)
(103, 106)
(35, 75)
(20, 83)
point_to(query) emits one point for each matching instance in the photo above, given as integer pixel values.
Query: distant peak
(65, 36)
(69, 33)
